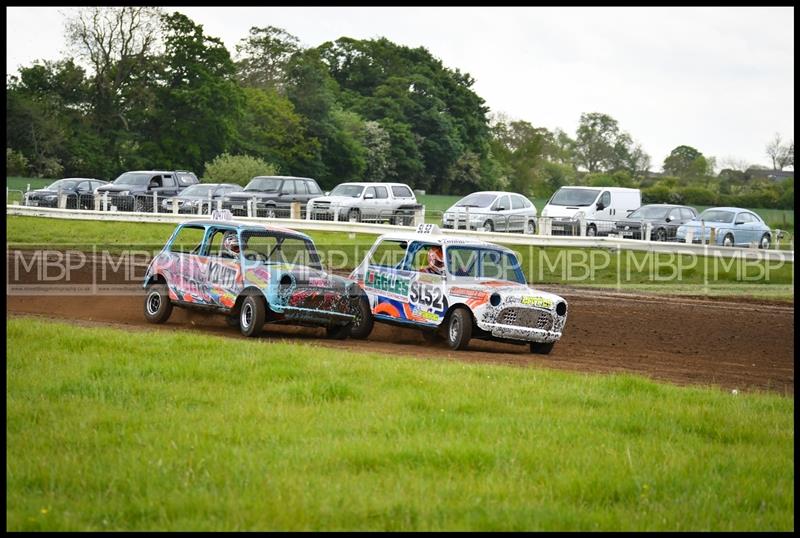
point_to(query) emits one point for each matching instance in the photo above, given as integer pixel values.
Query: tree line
(140, 89)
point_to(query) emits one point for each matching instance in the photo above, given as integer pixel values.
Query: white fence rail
(613, 243)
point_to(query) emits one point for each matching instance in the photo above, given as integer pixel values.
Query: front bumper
(513, 321)
(525, 334)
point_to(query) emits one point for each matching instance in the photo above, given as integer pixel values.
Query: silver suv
(373, 202)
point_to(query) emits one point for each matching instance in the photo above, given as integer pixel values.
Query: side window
(389, 254)
(687, 214)
(82, 186)
(302, 187)
(189, 240)
(215, 245)
(605, 199)
(399, 191)
(502, 202)
(381, 192)
(369, 192)
(313, 188)
(462, 262)
(753, 217)
(419, 261)
(155, 181)
(526, 203)
(287, 187)
(742, 218)
(675, 214)
(168, 181)
(517, 203)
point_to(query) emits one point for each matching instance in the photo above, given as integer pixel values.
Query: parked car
(272, 194)
(195, 199)
(598, 207)
(133, 191)
(733, 226)
(78, 191)
(454, 287)
(492, 211)
(251, 273)
(663, 218)
(392, 202)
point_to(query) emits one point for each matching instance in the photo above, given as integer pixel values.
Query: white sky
(719, 79)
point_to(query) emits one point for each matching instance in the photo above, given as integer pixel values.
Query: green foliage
(620, 178)
(239, 169)
(265, 54)
(687, 163)
(698, 195)
(16, 163)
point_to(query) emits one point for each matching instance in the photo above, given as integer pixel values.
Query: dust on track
(686, 341)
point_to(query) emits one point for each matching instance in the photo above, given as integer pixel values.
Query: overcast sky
(719, 79)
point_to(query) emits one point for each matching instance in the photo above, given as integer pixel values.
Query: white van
(598, 207)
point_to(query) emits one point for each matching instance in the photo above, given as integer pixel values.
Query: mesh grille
(526, 317)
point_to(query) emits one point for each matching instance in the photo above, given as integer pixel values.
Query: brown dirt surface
(730, 344)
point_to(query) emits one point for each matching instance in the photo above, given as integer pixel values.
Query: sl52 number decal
(426, 295)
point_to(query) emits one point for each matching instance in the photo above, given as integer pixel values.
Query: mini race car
(252, 273)
(454, 287)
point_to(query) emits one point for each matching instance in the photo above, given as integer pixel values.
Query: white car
(480, 292)
(598, 207)
(374, 202)
(492, 211)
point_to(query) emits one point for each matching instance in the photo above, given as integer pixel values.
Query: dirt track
(742, 345)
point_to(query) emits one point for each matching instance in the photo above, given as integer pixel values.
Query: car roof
(282, 177)
(157, 172)
(373, 183)
(492, 192)
(440, 239)
(623, 189)
(245, 226)
(730, 209)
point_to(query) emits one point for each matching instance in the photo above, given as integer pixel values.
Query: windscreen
(263, 184)
(132, 178)
(484, 263)
(198, 190)
(477, 200)
(716, 215)
(574, 197)
(650, 212)
(350, 191)
(64, 184)
(269, 248)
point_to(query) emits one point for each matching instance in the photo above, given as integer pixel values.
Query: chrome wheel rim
(765, 242)
(727, 241)
(531, 228)
(454, 329)
(247, 315)
(153, 303)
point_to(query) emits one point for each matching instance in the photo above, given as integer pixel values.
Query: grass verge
(180, 432)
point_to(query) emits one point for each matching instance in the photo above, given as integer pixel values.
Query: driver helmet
(436, 260)
(230, 244)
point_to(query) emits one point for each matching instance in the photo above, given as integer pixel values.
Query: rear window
(188, 240)
(313, 188)
(381, 192)
(402, 192)
(187, 178)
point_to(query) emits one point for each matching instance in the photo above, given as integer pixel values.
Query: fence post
(219, 204)
(105, 200)
(466, 219)
(174, 207)
(647, 232)
(712, 236)
(62, 199)
(581, 228)
(294, 210)
(155, 202)
(419, 215)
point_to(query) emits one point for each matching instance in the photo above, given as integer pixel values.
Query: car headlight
(50, 196)
(124, 193)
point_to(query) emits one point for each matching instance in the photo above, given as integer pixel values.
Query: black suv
(78, 191)
(272, 195)
(133, 191)
(664, 218)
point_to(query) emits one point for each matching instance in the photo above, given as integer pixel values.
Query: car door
(169, 186)
(517, 219)
(188, 265)
(501, 211)
(223, 278)
(383, 207)
(287, 192)
(369, 203)
(385, 281)
(427, 301)
(604, 218)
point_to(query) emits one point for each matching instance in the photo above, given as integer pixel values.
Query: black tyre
(660, 235)
(488, 226)
(591, 231)
(459, 329)
(764, 243)
(362, 325)
(354, 215)
(727, 241)
(157, 306)
(338, 332)
(530, 227)
(542, 349)
(271, 212)
(252, 315)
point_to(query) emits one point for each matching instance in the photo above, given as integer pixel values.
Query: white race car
(454, 287)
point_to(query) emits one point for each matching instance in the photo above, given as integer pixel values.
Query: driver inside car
(435, 261)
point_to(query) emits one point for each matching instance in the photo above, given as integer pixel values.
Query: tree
(599, 143)
(637, 162)
(780, 154)
(119, 44)
(520, 148)
(264, 56)
(199, 102)
(686, 162)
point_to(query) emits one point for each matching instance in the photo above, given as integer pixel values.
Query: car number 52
(426, 295)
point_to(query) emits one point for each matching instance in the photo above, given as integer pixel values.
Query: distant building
(772, 175)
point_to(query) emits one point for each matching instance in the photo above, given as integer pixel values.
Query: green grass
(175, 431)
(541, 265)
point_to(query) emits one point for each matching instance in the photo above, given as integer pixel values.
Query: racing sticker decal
(388, 284)
(540, 302)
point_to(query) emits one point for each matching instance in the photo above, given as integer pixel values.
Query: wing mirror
(600, 206)
(500, 208)
(369, 196)
(668, 219)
